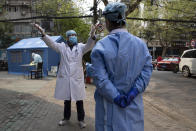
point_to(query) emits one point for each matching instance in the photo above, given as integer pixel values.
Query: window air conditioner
(23, 13)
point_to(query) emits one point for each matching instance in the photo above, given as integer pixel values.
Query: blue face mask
(73, 40)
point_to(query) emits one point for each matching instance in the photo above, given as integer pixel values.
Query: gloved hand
(131, 95)
(121, 100)
(40, 29)
(89, 70)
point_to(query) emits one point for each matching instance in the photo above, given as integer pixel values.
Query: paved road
(28, 105)
(174, 96)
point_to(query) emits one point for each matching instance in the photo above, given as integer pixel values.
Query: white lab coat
(37, 58)
(70, 79)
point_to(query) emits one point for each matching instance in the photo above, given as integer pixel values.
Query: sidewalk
(28, 105)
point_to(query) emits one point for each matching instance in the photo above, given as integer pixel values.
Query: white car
(188, 62)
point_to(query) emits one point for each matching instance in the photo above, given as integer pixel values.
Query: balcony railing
(13, 2)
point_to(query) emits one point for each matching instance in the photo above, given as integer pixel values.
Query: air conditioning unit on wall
(24, 3)
(23, 13)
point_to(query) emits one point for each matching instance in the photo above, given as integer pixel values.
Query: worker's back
(124, 57)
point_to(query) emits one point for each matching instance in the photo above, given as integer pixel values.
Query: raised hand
(39, 28)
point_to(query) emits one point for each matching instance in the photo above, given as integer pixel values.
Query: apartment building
(15, 9)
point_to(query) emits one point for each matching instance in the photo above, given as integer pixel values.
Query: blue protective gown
(120, 61)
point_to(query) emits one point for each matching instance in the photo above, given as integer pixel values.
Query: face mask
(73, 40)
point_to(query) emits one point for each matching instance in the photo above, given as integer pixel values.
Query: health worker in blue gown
(121, 69)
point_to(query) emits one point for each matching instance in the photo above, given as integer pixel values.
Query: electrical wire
(88, 16)
(166, 20)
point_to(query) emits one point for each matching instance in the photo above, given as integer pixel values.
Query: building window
(9, 9)
(17, 28)
(16, 57)
(22, 27)
(16, 9)
(1, 9)
(26, 28)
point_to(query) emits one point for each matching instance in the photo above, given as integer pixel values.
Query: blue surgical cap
(70, 32)
(115, 12)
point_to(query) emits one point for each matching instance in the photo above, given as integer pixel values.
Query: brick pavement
(26, 109)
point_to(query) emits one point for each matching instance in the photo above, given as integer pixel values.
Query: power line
(45, 17)
(89, 16)
(166, 20)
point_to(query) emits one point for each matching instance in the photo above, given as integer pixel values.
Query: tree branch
(131, 8)
(105, 2)
(175, 9)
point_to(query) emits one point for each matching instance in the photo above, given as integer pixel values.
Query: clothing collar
(75, 47)
(66, 44)
(118, 30)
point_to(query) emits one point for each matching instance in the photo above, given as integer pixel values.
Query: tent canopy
(20, 53)
(32, 43)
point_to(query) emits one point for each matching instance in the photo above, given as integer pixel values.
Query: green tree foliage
(169, 32)
(5, 30)
(5, 37)
(133, 26)
(65, 8)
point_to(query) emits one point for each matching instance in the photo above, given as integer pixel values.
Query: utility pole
(95, 16)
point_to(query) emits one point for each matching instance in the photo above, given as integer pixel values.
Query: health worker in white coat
(70, 79)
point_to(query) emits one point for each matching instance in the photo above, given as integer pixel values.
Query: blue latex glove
(89, 70)
(131, 95)
(121, 100)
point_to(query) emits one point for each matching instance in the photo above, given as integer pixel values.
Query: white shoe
(82, 124)
(63, 122)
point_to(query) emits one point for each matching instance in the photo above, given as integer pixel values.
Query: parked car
(169, 63)
(188, 62)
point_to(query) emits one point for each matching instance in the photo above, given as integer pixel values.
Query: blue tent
(20, 53)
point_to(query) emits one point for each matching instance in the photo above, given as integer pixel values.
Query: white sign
(187, 44)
